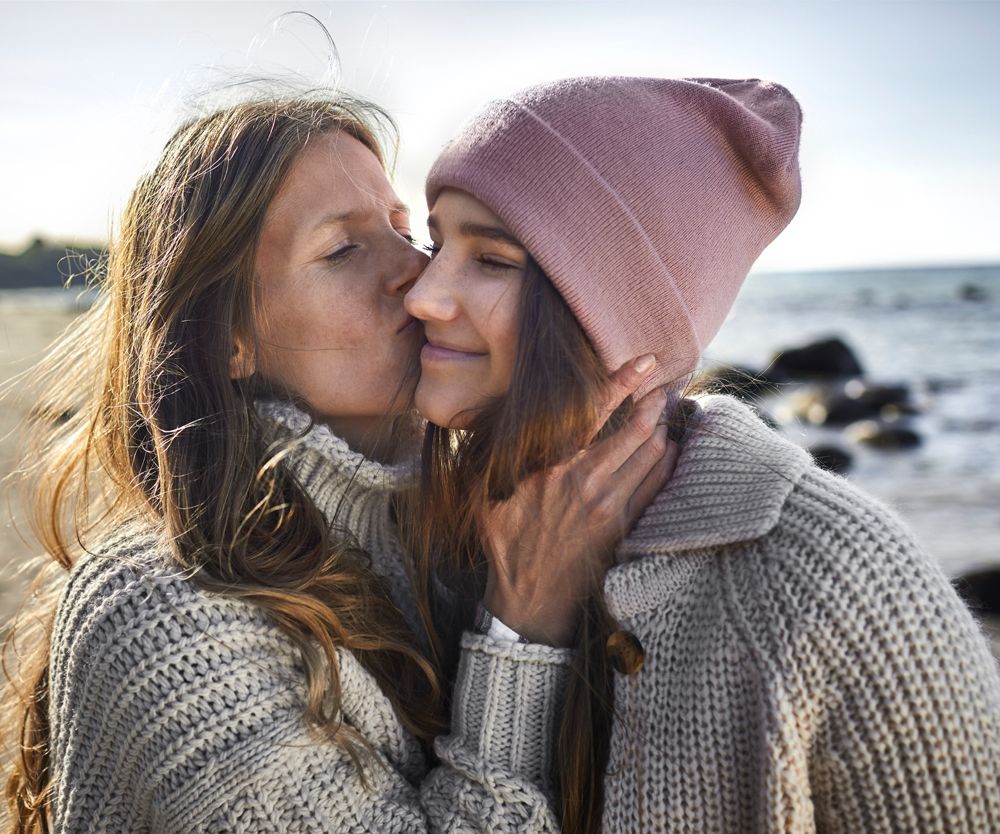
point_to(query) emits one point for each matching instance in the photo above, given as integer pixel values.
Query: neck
(377, 438)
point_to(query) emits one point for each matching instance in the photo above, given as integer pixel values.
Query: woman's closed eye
(341, 253)
(492, 263)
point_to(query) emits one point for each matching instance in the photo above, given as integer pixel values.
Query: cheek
(318, 318)
(503, 328)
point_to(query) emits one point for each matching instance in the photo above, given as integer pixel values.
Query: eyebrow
(470, 229)
(360, 214)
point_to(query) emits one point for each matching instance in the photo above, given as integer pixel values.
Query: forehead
(334, 172)
(460, 213)
(455, 206)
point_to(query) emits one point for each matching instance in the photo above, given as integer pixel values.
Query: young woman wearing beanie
(771, 651)
(236, 646)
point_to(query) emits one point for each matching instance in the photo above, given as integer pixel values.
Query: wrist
(492, 626)
(550, 622)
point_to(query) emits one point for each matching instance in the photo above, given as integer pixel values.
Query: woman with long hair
(771, 651)
(232, 643)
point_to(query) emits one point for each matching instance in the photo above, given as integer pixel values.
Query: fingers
(610, 454)
(652, 485)
(646, 460)
(623, 382)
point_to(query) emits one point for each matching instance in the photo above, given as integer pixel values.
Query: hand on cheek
(550, 544)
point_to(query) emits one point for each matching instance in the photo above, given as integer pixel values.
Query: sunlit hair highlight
(160, 434)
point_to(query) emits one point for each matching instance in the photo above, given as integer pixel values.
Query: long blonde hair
(159, 432)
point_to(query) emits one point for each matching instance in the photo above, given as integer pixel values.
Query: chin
(437, 408)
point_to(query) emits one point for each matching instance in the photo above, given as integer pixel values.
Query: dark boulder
(883, 436)
(981, 590)
(741, 383)
(832, 458)
(973, 292)
(828, 358)
(860, 401)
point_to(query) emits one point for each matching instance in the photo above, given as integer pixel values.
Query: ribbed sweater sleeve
(175, 710)
(507, 702)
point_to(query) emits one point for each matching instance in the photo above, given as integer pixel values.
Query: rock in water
(828, 358)
(973, 292)
(832, 458)
(741, 383)
(981, 591)
(881, 436)
(859, 400)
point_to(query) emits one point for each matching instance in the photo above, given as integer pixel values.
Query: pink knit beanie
(645, 200)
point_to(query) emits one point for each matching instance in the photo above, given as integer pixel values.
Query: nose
(411, 264)
(429, 298)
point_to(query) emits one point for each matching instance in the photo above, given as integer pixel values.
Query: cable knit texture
(808, 668)
(175, 710)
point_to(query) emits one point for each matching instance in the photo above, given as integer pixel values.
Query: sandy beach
(26, 333)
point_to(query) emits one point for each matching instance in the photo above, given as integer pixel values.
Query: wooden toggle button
(625, 652)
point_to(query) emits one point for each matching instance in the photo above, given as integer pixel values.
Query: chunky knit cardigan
(808, 668)
(176, 710)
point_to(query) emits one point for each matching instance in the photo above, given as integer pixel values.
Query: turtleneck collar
(352, 491)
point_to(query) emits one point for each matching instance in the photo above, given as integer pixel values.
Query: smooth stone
(827, 358)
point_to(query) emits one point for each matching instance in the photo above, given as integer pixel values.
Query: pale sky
(902, 99)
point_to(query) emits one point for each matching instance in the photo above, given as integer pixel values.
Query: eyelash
(498, 268)
(341, 254)
(344, 252)
(491, 266)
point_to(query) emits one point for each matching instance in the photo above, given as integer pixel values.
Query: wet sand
(24, 335)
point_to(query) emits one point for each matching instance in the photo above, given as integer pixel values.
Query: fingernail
(644, 363)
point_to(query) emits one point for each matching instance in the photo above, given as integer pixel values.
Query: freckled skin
(333, 262)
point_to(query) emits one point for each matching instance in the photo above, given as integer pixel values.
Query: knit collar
(352, 491)
(731, 481)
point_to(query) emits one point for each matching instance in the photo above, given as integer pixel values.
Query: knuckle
(645, 421)
(606, 508)
(590, 485)
(657, 446)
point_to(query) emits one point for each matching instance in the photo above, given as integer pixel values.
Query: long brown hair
(159, 431)
(547, 414)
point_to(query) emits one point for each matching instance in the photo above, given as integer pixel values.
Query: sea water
(936, 330)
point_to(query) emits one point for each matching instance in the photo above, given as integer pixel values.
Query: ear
(243, 360)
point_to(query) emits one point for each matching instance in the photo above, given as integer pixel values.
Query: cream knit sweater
(173, 710)
(808, 668)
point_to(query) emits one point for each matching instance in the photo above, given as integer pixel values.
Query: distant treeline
(45, 264)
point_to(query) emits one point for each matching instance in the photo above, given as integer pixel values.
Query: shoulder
(781, 539)
(141, 656)
(129, 598)
(733, 477)
(843, 593)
